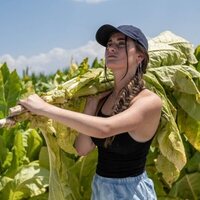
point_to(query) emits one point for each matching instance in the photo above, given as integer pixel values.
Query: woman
(121, 123)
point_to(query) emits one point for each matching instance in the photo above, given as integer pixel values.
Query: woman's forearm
(83, 123)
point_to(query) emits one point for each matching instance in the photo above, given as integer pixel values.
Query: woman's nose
(112, 48)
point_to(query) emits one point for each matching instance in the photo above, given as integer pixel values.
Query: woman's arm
(83, 143)
(83, 123)
(143, 115)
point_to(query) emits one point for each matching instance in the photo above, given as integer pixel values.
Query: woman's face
(115, 54)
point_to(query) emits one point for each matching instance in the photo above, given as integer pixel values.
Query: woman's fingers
(33, 103)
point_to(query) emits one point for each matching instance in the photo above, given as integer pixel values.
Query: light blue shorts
(132, 188)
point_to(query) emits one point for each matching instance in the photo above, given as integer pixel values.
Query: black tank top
(123, 158)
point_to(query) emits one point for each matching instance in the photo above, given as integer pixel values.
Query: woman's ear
(140, 58)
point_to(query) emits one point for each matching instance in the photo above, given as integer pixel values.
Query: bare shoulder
(152, 98)
(149, 97)
(146, 107)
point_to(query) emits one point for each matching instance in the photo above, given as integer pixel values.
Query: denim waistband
(122, 180)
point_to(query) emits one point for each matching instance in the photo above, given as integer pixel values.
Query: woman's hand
(93, 101)
(98, 97)
(34, 104)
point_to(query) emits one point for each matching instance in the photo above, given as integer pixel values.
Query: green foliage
(10, 89)
(35, 165)
(197, 54)
(29, 181)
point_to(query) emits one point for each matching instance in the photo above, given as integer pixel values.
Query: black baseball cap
(105, 31)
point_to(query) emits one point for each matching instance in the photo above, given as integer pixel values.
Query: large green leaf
(170, 142)
(30, 181)
(5, 156)
(58, 161)
(19, 155)
(170, 172)
(10, 89)
(44, 158)
(182, 79)
(193, 165)
(197, 54)
(176, 77)
(32, 143)
(71, 88)
(162, 54)
(3, 104)
(81, 174)
(168, 137)
(189, 103)
(187, 187)
(190, 128)
(179, 43)
(5, 72)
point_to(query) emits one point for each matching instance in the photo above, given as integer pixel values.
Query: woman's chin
(112, 65)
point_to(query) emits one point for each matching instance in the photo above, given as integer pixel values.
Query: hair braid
(134, 87)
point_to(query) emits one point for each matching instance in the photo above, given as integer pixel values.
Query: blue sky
(47, 34)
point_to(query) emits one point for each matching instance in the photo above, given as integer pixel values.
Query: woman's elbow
(104, 132)
(81, 152)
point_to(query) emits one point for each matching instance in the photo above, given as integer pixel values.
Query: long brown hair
(132, 89)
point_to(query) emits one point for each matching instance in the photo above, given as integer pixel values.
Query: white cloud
(53, 60)
(91, 1)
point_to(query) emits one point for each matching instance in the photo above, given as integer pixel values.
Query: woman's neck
(120, 82)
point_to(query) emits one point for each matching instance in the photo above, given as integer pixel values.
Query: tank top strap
(99, 112)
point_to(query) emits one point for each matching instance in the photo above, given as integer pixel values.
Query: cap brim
(104, 32)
